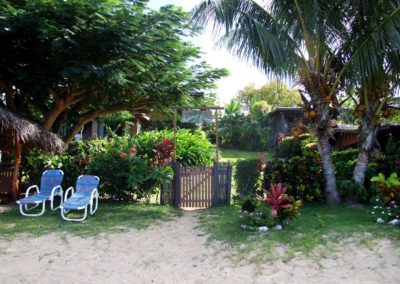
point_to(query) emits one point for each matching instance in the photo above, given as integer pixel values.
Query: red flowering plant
(164, 152)
(283, 206)
(261, 161)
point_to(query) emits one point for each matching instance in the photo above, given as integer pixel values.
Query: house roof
(14, 126)
(285, 109)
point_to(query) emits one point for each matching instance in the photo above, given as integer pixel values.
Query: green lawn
(318, 226)
(234, 155)
(110, 217)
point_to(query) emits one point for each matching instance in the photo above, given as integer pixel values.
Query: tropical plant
(277, 199)
(388, 188)
(301, 39)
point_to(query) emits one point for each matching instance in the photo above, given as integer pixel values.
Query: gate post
(229, 184)
(216, 184)
(176, 185)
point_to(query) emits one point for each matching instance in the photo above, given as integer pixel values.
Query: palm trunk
(366, 143)
(331, 192)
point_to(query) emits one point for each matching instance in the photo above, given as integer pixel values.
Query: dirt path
(174, 252)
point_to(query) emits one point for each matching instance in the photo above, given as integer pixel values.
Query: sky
(241, 73)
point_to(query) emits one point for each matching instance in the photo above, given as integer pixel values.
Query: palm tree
(373, 89)
(301, 39)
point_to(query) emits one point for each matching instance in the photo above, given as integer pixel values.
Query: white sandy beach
(175, 252)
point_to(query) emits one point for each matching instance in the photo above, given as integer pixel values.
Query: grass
(235, 155)
(109, 218)
(319, 228)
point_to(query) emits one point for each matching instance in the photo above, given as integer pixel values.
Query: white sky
(241, 73)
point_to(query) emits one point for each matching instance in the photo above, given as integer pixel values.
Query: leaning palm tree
(300, 39)
(373, 88)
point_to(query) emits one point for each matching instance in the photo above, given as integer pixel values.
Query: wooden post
(15, 183)
(175, 134)
(177, 185)
(216, 137)
(216, 185)
(229, 185)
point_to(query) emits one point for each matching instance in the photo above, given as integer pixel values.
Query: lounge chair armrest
(67, 191)
(29, 189)
(94, 191)
(55, 188)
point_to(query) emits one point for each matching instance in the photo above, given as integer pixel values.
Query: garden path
(175, 252)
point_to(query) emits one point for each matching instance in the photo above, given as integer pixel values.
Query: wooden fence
(6, 183)
(199, 187)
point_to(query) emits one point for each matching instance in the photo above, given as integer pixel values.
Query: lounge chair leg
(32, 215)
(63, 212)
(93, 207)
(60, 193)
(29, 209)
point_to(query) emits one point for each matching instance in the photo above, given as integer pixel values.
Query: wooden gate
(196, 187)
(201, 187)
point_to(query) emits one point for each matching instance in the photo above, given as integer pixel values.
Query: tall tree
(275, 94)
(300, 39)
(373, 90)
(73, 61)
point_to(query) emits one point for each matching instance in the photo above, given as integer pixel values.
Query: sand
(175, 252)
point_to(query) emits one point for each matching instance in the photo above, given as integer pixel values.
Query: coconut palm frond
(380, 46)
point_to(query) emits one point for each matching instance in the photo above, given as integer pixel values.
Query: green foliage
(129, 167)
(245, 132)
(392, 147)
(349, 189)
(345, 155)
(269, 96)
(193, 149)
(248, 204)
(259, 217)
(247, 178)
(126, 175)
(309, 147)
(302, 176)
(289, 147)
(87, 59)
(387, 188)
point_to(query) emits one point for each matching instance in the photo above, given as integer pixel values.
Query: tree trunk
(331, 192)
(63, 102)
(78, 126)
(366, 142)
(52, 116)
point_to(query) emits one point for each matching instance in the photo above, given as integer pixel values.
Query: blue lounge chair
(50, 186)
(86, 195)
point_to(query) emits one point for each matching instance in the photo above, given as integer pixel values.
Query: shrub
(193, 149)
(345, 155)
(302, 176)
(247, 178)
(277, 208)
(309, 146)
(248, 204)
(125, 173)
(288, 147)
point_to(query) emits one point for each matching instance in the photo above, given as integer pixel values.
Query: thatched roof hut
(14, 127)
(18, 133)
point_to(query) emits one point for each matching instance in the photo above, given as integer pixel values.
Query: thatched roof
(14, 126)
